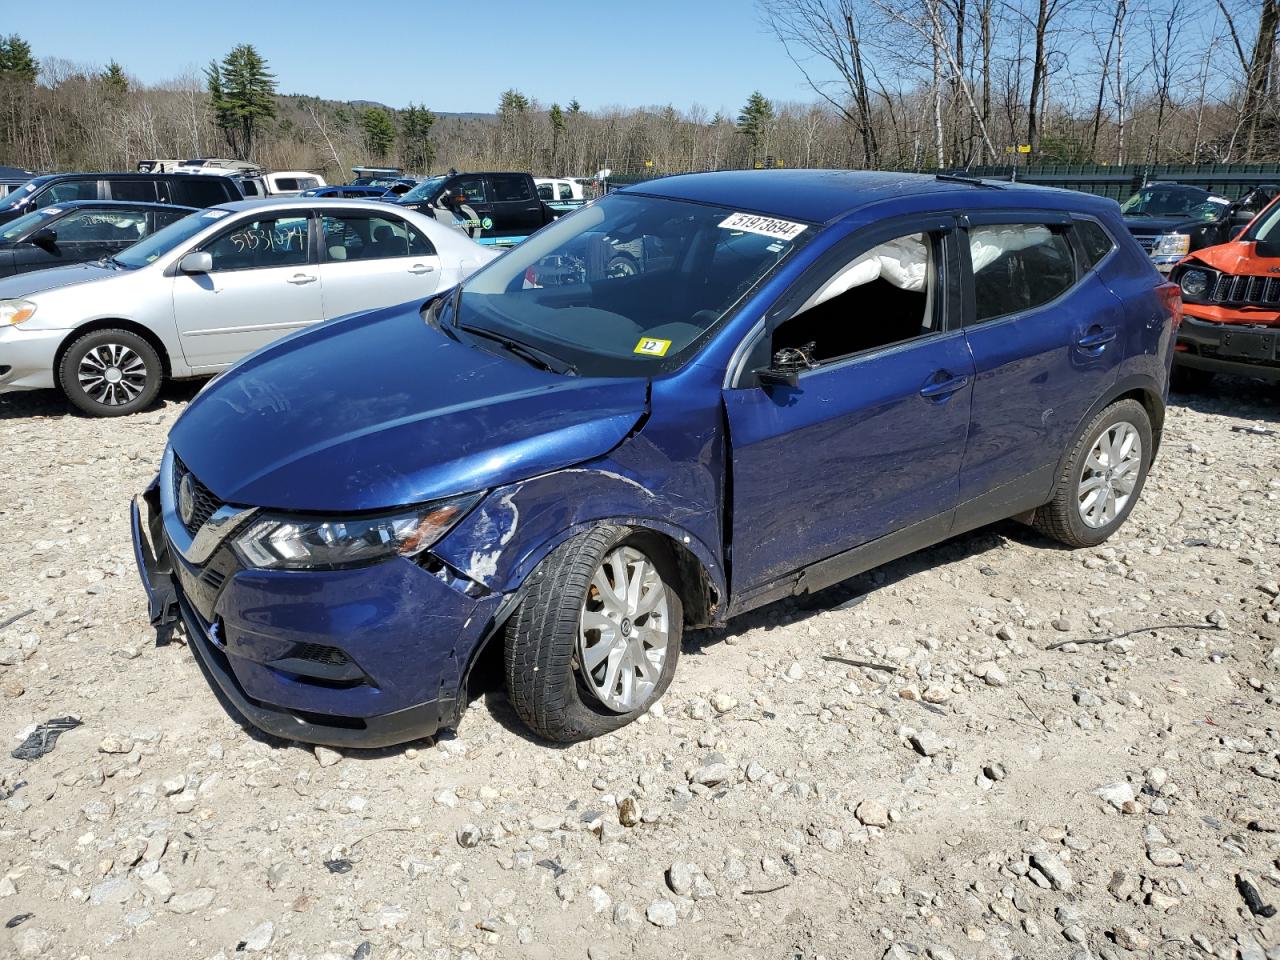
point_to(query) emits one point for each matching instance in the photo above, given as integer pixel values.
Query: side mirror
(786, 366)
(200, 262)
(45, 238)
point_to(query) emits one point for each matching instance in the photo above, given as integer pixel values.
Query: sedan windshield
(146, 251)
(26, 223)
(425, 190)
(18, 195)
(1189, 204)
(630, 286)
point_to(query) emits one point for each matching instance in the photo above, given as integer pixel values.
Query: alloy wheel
(1110, 474)
(623, 630)
(112, 374)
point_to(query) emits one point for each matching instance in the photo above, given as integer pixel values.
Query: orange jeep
(1231, 306)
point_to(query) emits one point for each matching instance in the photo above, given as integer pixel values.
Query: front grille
(1246, 290)
(206, 504)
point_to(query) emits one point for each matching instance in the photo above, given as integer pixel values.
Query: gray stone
(260, 937)
(191, 901)
(927, 743)
(661, 913)
(1054, 870)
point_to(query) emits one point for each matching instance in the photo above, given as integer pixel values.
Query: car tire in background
(110, 373)
(1189, 379)
(595, 641)
(1102, 478)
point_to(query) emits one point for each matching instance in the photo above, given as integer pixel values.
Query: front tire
(596, 639)
(110, 373)
(1102, 479)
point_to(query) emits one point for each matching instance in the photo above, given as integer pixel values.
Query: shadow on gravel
(1234, 397)
(50, 403)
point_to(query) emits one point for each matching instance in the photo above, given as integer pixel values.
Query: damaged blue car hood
(381, 410)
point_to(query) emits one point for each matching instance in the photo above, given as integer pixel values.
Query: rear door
(1044, 331)
(264, 283)
(517, 209)
(373, 260)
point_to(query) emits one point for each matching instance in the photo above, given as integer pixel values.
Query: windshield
(1175, 202)
(18, 195)
(146, 251)
(27, 222)
(425, 189)
(1264, 227)
(631, 286)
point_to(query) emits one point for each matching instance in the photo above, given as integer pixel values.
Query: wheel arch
(1140, 388)
(114, 323)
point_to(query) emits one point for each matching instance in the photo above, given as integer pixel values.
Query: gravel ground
(993, 748)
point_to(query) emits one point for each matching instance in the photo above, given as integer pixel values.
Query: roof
(131, 204)
(293, 202)
(821, 196)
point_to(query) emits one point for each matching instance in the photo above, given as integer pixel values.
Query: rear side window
(508, 188)
(546, 191)
(1095, 240)
(366, 237)
(1018, 267)
(200, 191)
(144, 190)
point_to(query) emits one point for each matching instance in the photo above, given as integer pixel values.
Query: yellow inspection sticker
(653, 348)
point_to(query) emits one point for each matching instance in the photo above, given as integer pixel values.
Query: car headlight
(1194, 283)
(16, 311)
(276, 542)
(1172, 245)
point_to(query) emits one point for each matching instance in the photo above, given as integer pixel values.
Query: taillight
(1171, 296)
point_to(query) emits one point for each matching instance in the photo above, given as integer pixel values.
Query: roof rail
(972, 181)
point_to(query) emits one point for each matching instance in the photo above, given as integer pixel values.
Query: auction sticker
(653, 348)
(765, 226)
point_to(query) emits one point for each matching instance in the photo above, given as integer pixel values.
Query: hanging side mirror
(786, 366)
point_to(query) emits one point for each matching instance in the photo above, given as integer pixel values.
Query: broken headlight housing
(278, 542)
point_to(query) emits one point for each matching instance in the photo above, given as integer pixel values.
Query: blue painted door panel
(862, 448)
(1038, 373)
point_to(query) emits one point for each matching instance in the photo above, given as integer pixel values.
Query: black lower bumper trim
(1240, 349)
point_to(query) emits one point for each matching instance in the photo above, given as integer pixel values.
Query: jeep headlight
(1172, 245)
(1194, 283)
(280, 542)
(16, 311)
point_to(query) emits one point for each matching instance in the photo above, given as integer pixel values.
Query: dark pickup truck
(1169, 220)
(493, 208)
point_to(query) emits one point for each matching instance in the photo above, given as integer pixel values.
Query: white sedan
(195, 297)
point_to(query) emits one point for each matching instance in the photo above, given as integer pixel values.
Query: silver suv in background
(195, 297)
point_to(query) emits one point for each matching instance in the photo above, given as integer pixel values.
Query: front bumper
(367, 657)
(26, 358)
(1234, 348)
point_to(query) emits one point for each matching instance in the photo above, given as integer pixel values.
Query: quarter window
(1096, 241)
(258, 244)
(884, 296)
(1018, 267)
(364, 237)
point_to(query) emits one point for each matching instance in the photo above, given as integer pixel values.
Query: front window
(163, 241)
(68, 190)
(630, 286)
(425, 190)
(261, 244)
(1167, 202)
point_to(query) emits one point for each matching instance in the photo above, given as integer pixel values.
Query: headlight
(1194, 283)
(1172, 245)
(16, 311)
(311, 543)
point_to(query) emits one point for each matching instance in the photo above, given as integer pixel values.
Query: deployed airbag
(903, 262)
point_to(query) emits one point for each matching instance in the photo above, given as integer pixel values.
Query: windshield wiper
(537, 358)
(118, 263)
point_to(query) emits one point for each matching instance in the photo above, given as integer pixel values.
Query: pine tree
(755, 121)
(242, 94)
(379, 132)
(415, 131)
(555, 116)
(115, 82)
(575, 107)
(16, 60)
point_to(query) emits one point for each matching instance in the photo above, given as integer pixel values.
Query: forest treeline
(893, 85)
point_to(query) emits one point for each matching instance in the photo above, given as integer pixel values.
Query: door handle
(1096, 337)
(301, 278)
(422, 268)
(935, 389)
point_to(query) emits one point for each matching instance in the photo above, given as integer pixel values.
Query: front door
(264, 284)
(374, 260)
(871, 439)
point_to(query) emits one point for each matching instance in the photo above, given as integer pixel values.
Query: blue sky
(455, 56)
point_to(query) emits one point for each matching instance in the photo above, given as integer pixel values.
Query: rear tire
(576, 667)
(1102, 479)
(1190, 379)
(110, 373)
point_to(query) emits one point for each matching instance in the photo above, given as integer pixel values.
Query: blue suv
(691, 398)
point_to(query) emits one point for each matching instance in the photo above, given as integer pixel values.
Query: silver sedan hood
(38, 281)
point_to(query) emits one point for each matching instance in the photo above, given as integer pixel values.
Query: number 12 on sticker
(653, 348)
